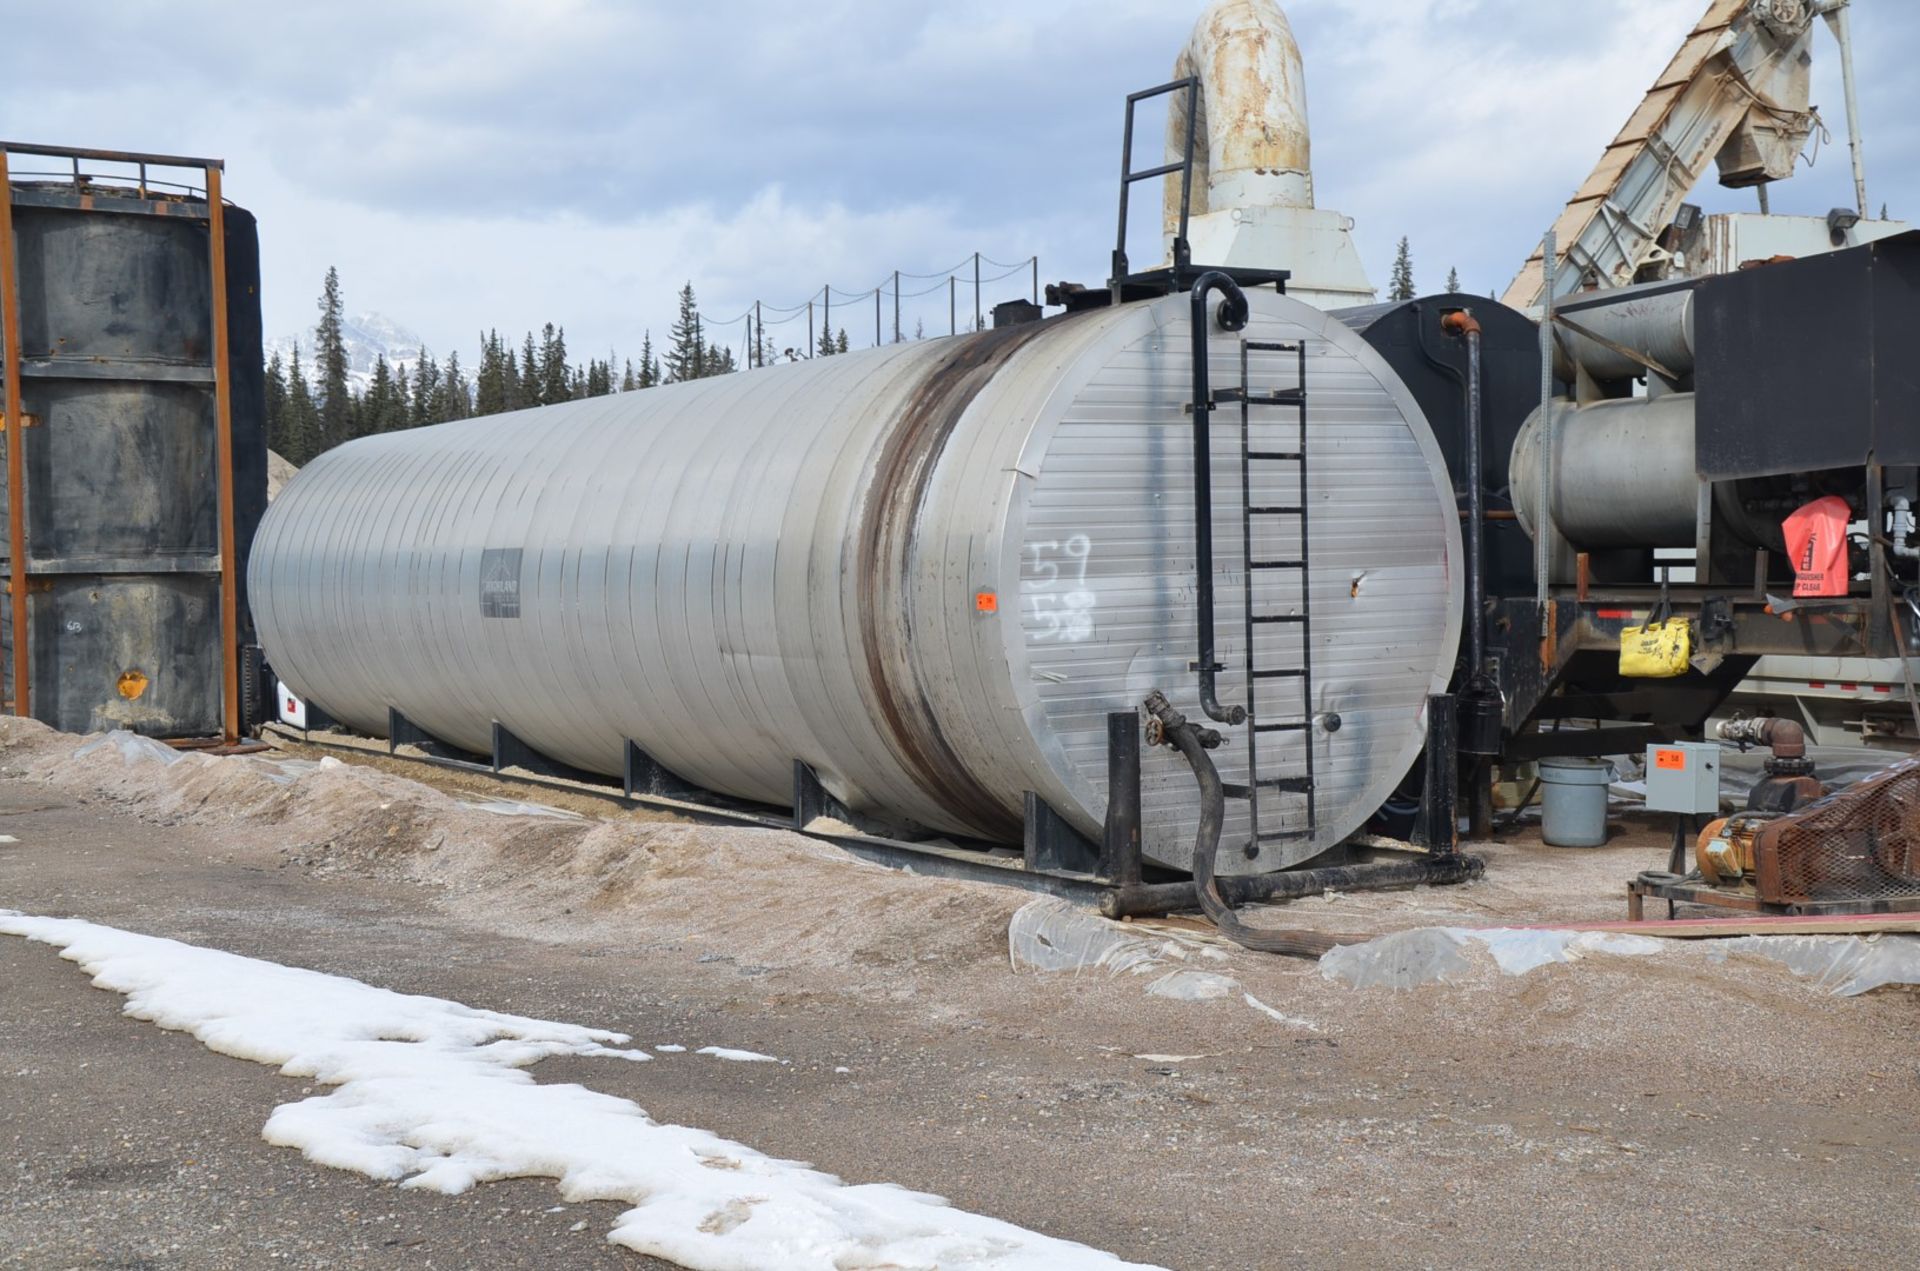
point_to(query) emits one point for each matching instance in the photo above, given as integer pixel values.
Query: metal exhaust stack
(1251, 201)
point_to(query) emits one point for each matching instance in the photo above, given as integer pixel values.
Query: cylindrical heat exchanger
(928, 570)
(1623, 472)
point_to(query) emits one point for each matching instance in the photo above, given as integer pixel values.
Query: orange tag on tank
(986, 602)
(1670, 760)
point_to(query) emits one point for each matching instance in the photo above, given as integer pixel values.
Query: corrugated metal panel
(784, 564)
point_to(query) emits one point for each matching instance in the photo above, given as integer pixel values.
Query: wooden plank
(1744, 925)
(16, 448)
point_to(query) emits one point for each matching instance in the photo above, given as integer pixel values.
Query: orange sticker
(1671, 760)
(986, 602)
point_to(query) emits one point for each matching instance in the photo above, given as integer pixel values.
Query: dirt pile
(557, 877)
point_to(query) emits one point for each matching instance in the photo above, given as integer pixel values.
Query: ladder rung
(1279, 397)
(1277, 456)
(1286, 785)
(1276, 510)
(1291, 673)
(1279, 618)
(1165, 169)
(1296, 726)
(1292, 785)
(1276, 564)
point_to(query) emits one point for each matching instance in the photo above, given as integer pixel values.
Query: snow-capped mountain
(367, 336)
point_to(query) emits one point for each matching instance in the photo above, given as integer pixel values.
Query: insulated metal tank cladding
(929, 570)
(1623, 472)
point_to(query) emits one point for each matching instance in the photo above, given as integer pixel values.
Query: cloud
(491, 163)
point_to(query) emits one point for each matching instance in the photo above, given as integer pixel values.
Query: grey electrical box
(1684, 777)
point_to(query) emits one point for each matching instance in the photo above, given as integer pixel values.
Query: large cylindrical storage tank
(118, 374)
(928, 570)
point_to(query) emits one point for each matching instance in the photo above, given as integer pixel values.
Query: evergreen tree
(400, 412)
(277, 406)
(1453, 280)
(456, 403)
(840, 345)
(627, 381)
(1401, 287)
(920, 329)
(490, 382)
(719, 361)
(649, 364)
(826, 346)
(687, 356)
(377, 408)
(330, 351)
(515, 384)
(532, 381)
(303, 416)
(429, 394)
(556, 378)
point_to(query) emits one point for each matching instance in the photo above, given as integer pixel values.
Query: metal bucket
(1573, 802)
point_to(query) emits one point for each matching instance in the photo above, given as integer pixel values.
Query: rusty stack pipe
(1786, 739)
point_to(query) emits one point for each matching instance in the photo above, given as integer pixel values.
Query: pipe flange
(1777, 767)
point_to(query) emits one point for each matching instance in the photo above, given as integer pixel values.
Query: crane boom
(1737, 93)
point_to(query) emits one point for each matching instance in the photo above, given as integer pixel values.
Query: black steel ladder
(1262, 719)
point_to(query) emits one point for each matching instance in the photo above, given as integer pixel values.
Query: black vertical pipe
(976, 291)
(1476, 513)
(1120, 843)
(1233, 317)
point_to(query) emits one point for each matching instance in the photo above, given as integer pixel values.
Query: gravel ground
(1670, 1111)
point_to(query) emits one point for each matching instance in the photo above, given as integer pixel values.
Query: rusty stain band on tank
(889, 525)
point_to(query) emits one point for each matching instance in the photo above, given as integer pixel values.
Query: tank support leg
(644, 775)
(1120, 842)
(510, 752)
(1053, 844)
(812, 802)
(1438, 826)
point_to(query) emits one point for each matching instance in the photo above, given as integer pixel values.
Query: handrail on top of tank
(111, 156)
(139, 180)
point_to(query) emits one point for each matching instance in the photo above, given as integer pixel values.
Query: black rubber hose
(1178, 732)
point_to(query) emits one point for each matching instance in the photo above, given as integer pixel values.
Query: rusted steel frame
(186, 205)
(113, 156)
(16, 446)
(223, 461)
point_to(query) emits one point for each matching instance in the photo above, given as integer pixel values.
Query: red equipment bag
(1817, 542)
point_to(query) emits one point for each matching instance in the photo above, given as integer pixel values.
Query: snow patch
(738, 1056)
(434, 1093)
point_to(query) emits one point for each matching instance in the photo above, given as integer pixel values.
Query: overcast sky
(472, 163)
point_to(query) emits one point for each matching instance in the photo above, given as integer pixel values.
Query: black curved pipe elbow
(1233, 316)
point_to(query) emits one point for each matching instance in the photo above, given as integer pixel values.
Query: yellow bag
(1657, 651)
